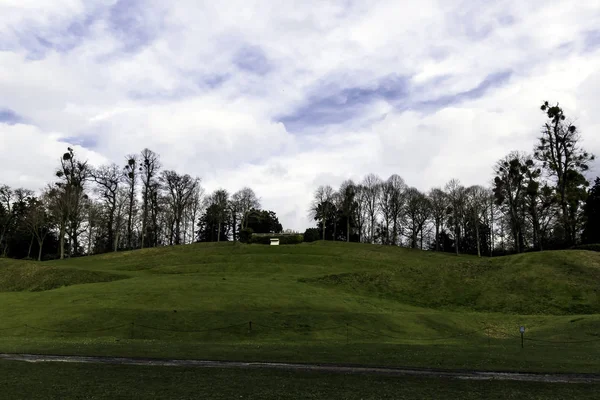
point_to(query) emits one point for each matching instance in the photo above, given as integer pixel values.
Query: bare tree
(560, 154)
(94, 212)
(392, 201)
(456, 197)
(180, 190)
(220, 199)
(439, 211)
(68, 198)
(372, 190)
(149, 167)
(155, 206)
(348, 204)
(130, 173)
(476, 199)
(417, 213)
(245, 200)
(6, 202)
(194, 207)
(509, 192)
(38, 221)
(107, 178)
(120, 216)
(322, 205)
(360, 213)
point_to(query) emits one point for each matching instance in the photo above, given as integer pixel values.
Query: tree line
(92, 210)
(536, 201)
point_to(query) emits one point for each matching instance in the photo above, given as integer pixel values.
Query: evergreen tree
(591, 211)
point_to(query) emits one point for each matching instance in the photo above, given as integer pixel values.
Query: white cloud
(170, 82)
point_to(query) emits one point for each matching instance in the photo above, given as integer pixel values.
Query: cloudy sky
(285, 96)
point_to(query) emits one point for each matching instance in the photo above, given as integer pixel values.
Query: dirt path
(458, 374)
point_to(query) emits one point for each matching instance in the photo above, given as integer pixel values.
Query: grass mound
(19, 276)
(307, 302)
(554, 282)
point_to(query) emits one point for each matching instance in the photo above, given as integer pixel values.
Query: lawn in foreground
(506, 356)
(20, 380)
(307, 302)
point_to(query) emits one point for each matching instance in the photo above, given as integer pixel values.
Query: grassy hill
(307, 302)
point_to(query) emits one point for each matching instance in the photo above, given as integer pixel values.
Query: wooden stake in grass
(522, 330)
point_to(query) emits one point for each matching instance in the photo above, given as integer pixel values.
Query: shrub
(311, 235)
(283, 239)
(246, 235)
(590, 247)
(291, 239)
(261, 239)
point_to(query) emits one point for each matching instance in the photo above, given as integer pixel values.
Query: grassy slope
(403, 298)
(18, 276)
(45, 381)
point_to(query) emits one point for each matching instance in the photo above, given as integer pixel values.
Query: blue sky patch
(89, 142)
(491, 81)
(8, 116)
(591, 41)
(127, 22)
(327, 108)
(252, 59)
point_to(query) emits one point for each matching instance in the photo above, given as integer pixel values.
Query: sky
(286, 96)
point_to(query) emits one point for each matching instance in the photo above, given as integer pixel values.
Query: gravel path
(457, 374)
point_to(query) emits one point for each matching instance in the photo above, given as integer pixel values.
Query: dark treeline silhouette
(92, 210)
(535, 201)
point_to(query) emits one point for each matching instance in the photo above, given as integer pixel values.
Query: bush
(291, 239)
(246, 235)
(590, 247)
(311, 235)
(283, 239)
(261, 240)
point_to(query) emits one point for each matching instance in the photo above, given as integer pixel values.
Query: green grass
(319, 302)
(86, 381)
(19, 276)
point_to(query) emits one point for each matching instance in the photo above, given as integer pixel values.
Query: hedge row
(283, 239)
(591, 247)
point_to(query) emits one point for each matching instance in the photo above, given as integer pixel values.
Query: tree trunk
(233, 217)
(2, 241)
(348, 229)
(502, 238)
(413, 237)
(111, 224)
(372, 229)
(30, 246)
(324, 220)
(90, 233)
(116, 242)
(456, 238)
(219, 231)
(130, 218)
(334, 229)
(478, 240)
(41, 245)
(145, 212)
(62, 240)
(492, 229)
(437, 236)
